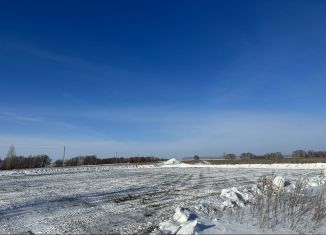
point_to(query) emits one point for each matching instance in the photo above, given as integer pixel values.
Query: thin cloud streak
(10, 116)
(35, 51)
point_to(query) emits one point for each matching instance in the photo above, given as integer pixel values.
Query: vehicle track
(111, 200)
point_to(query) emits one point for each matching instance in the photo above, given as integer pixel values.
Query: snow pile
(183, 222)
(317, 181)
(175, 163)
(233, 197)
(279, 183)
(171, 161)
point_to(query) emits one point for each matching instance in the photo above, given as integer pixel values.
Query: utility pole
(64, 155)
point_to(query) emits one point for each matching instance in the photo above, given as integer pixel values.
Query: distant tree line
(93, 160)
(21, 162)
(12, 161)
(230, 156)
(308, 154)
(276, 155)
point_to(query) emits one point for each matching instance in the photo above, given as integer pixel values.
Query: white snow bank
(183, 222)
(234, 198)
(253, 166)
(278, 182)
(171, 161)
(181, 215)
(188, 227)
(169, 227)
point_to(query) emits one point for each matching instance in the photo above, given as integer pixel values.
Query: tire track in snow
(110, 201)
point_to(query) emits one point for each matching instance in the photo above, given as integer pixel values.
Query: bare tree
(11, 152)
(273, 156)
(299, 154)
(247, 156)
(230, 156)
(11, 155)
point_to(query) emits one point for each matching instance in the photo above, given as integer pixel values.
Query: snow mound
(188, 227)
(169, 227)
(278, 182)
(318, 180)
(183, 222)
(181, 215)
(281, 183)
(171, 161)
(234, 198)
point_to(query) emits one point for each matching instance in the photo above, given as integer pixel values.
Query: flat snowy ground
(114, 199)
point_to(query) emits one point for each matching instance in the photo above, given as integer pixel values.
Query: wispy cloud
(10, 116)
(51, 56)
(13, 116)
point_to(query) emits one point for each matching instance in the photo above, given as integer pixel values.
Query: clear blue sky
(173, 78)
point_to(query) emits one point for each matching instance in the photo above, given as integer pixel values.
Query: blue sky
(163, 78)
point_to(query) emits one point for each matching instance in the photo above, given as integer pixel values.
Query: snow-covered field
(132, 199)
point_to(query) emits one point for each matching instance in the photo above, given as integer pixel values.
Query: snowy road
(112, 199)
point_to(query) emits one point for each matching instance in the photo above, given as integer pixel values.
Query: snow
(233, 198)
(188, 227)
(181, 215)
(317, 181)
(278, 182)
(171, 161)
(255, 166)
(199, 222)
(205, 162)
(183, 222)
(169, 197)
(170, 227)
